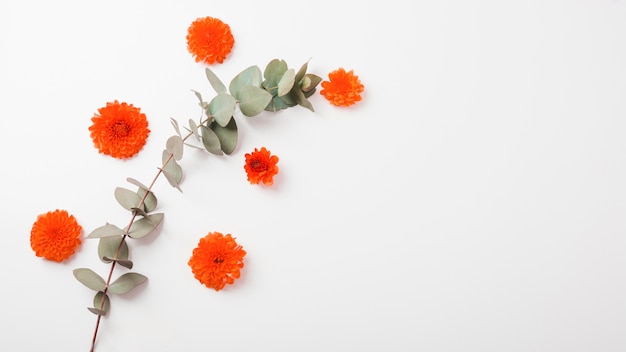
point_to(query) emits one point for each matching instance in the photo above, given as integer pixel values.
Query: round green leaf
(253, 100)
(222, 107)
(251, 76)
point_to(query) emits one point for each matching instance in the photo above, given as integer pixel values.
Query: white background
(473, 201)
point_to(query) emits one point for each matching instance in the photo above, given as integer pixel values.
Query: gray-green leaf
(215, 82)
(172, 171)
(210, 140)
(222, 107)
(107, 248)
(253, 100)
(106, 230)
(90, 279)
(127, 198)
(126, 283)
(227, 136)
(248, 77)
(193, 127)
(286, 82)
(175, 124)
(149, 202)
(174, 145)
(98, 302)
(274, 71)
(145, 226)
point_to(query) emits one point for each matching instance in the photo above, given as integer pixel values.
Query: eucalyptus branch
(253, 92)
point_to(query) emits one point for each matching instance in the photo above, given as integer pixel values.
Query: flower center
(121, 129)
(218, 260)
(258, 165)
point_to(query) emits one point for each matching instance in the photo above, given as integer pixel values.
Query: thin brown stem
(119, 248)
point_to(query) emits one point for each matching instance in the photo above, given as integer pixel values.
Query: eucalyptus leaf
(107, 230)
(127, 198)
(172, 171)
(174, 145)
(301, 72)
(193, 127)
(253, 100)
(125, 263)
(90, 279)
(139, 211)
(309, 82)
(227, 136)
(199, 96)
(210, 140)
(175, 124)
(108, 247)
(215, 82)
(274, 71)
(222, 107)
(279, 103)
(300, 98)
(137, 183)
(145, 226)
(96, 311)
(126, 283)
(172, 180)
(101, 304)
(202, 103)
(149, 200)
(286, 82)
(251, 76)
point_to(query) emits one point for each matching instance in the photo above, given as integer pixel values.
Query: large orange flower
(343, 89)
(261, 166)
(120, 130)
(209, 40)
(55, 235)
(216, 260)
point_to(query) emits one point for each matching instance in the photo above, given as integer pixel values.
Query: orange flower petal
(120, 130)
(216, 260)
(55, 235)
(209, 40)
(261, 166)
(343, 88)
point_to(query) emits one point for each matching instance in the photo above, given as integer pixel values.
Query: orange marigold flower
(343, 89)
(55, 235)
(261, 166)
(216, 260)
(120, 130)
(209, 40)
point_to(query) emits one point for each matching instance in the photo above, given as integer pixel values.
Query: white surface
(473, 201)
